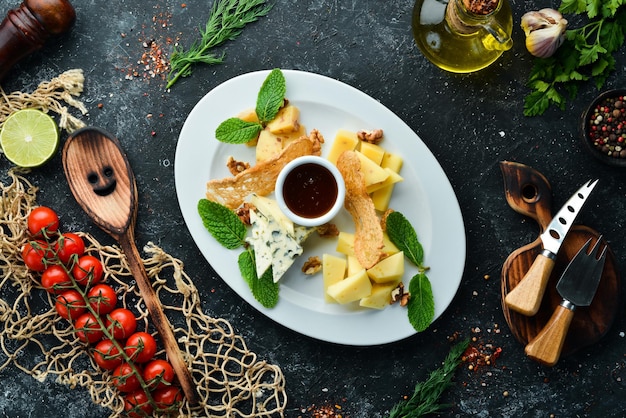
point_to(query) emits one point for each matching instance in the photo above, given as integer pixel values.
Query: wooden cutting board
(528, 192)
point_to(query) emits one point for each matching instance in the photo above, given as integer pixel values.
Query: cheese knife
(577, 286)
(525, 298)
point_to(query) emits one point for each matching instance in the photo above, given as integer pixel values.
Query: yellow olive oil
(457, 40)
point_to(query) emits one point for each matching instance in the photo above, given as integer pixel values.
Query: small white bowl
(310, 190)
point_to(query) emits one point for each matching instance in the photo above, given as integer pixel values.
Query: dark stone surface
(469, 122)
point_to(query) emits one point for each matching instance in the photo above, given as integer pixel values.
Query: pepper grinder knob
(26, 29)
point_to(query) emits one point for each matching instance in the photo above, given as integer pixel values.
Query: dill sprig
(425, 398)
(227, 20)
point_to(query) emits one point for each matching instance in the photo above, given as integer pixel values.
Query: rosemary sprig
(227, 20)
(425, 398)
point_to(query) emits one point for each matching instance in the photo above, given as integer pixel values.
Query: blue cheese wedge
(275, 242)
(271, 210)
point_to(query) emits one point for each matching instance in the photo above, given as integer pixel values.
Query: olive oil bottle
(462, 36)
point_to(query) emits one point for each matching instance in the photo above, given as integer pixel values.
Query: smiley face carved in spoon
(100, 176)
(103, 181)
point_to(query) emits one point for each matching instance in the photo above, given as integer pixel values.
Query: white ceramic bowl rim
(341, 190)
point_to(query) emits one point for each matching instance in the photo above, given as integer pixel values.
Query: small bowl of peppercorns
(603, 127)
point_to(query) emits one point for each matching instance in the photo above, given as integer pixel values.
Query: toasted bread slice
(261, 178)
(368, 236)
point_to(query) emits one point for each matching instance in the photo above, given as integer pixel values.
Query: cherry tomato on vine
(88, 270)
(158, 374)
(70, 305)
(167, 397)
(102, 298)
(107, 355)
(121, 323)
(55, 279)
(34, 255)
(124, 378)
(69, 244)
(87, 328)
(140, 347)
(42, 220)
(136, 404)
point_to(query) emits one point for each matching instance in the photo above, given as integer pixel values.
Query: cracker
(368, 236)
(261, 178)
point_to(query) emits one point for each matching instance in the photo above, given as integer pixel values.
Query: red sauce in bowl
(310, 190)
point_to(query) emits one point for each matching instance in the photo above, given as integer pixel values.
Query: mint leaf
(237, 131)
(402, 234)
(271, 96)
(421, 306)
(263, 288)
(222, 223)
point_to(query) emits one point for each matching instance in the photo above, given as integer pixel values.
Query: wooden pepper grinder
(26, 28)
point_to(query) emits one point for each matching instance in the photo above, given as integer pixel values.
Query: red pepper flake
(323, 411)
(481, 356)
(156, 42)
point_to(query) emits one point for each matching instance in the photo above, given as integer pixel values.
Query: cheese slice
(276, 241)
(270, 209)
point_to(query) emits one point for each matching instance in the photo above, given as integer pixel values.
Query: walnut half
(399, 295)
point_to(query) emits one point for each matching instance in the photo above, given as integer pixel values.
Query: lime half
(29, 137)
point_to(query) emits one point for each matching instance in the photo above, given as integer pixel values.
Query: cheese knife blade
(577, 286)
(525, 298)
(557, 229)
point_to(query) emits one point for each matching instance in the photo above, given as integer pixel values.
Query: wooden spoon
(103, 183)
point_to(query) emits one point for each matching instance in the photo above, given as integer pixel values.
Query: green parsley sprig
(227, 20)
(421, 306)
(586, 53)
(425, 398)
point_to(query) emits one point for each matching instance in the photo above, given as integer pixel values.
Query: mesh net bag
(231, 380)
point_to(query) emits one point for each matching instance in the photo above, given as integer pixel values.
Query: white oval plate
(425, 197)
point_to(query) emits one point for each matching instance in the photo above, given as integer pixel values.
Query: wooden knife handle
(547, 345)
(526, 297)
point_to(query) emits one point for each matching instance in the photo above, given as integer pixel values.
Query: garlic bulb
(545, 31)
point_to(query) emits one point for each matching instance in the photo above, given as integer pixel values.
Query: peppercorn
(606, 127)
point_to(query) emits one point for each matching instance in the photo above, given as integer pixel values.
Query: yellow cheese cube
(373, 152)
(382, 197)
(334, 271)
(345, 243)
(372, 172)
(268, 146)
(393, 178)
(392, 161)
(286, 120)
(344, 141)
(380, 296)
(389, 269)
(351, 288)
(389, 247)
(353, 265)
(288, 138)
(248, 115)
